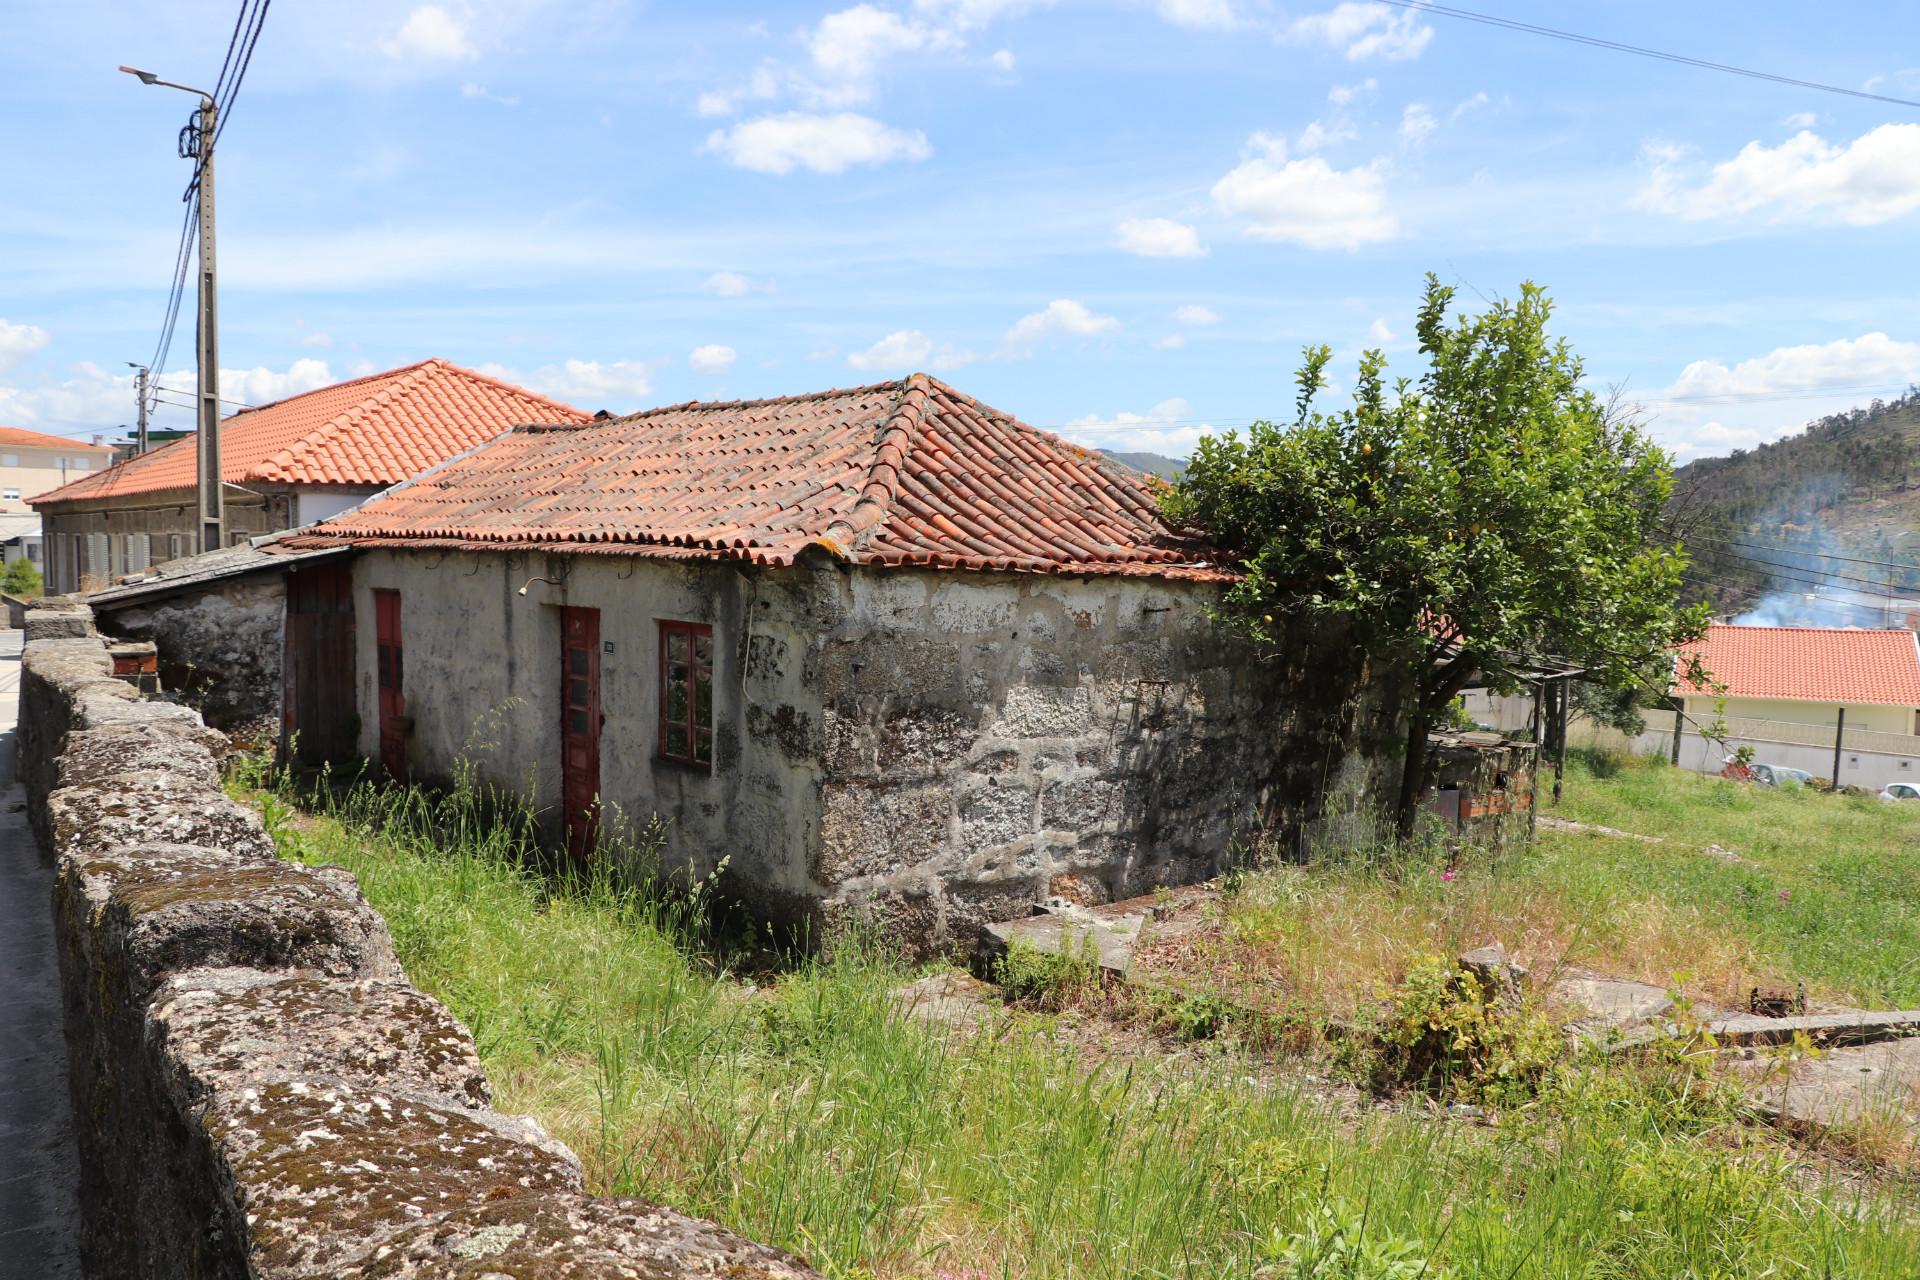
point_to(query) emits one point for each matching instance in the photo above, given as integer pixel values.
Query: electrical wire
(246, 60)
(1617, 46)
(1823, 555)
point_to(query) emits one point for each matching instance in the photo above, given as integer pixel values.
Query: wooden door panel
(580, 728)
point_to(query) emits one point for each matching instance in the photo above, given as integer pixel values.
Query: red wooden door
(393, 700)
(317, 710)
(580, 727)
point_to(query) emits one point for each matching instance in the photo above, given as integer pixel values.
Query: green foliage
(22, 580)
(1493, 506)
(1447, 1034)
(1339, 1243)
(1051, 979)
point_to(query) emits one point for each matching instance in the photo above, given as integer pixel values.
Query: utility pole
(140, 432)
(196, 144)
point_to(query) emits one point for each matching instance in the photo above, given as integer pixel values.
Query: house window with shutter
(686, 692)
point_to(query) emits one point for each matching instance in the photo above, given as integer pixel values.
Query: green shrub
(1447, 1035)
(1051, 979)
(22, 580)
(1340, 1243)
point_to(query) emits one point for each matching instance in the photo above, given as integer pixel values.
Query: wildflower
(1447, 875)
(1786, 896)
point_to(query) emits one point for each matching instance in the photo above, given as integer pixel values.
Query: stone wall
(258, 1090)
(220, 645)
(994, 740)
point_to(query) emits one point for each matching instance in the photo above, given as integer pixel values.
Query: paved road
(39, 1173)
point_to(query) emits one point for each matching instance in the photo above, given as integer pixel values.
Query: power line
(246, 60)
(1824, 555)
(1596, 42)
(233, 40)
(188, 236)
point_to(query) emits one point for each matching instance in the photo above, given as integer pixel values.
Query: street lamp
(196, 143)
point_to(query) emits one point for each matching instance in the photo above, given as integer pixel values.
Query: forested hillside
(1829, 518)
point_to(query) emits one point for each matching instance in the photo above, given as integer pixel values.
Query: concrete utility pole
(196, 143)
(140, 432)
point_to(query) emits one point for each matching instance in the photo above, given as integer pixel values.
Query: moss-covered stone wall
(258, 1089)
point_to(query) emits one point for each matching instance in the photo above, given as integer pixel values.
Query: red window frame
(686, 667)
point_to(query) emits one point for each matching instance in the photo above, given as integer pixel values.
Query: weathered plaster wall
(220, 645)
(936, 749)
(993, 740)
(258, 1090)
(482, 683)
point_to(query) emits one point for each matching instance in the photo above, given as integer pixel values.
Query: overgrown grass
(811, 1113)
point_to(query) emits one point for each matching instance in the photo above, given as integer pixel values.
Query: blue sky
(1121, 220)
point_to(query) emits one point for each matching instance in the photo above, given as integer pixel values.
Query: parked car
(1774, 775)
(1900, 791)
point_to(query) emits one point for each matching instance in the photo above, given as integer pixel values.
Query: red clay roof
(35, 440)
(377, 430)
(908, 472)
(1811, 664)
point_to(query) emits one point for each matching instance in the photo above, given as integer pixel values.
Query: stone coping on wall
(258, 1089)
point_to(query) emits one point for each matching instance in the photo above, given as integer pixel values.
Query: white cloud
(431, 34)
(1872, 359)
(1713, 406)
(1159, 238)
(1474, 103)
(1165, 428)
(1341, 94)
(762, 85)
(618, 385)
(1367, 30)
(472, 90)
(907, 350)
(1214, 15)
(1801, 120)
(729, 284)
(1416, 124)
(1002, 61)
(1061, 318)
(1194, 314)
(849, 47)
(18, 341)
(822, 143)
(1306, 202)
(1319, 135)
(91, 399)
(317, 340)
(1378, 332)
(1172, 342)
(712, 358)
(1875, 178)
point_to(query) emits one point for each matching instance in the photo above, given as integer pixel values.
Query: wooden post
(1679, 727)
(1839, 732)
(1560, 736)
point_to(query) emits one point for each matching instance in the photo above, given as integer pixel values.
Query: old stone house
(886, 648)
(285, 464)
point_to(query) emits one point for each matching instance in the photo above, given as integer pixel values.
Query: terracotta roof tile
(20, 437)
(377, 430)
(908, 472)
(1810, 664)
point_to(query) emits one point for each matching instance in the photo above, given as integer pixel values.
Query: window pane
(576, 693)
(577, 662)
(577, 723)
(677, 701)
(703, 701)
(703, 648)
(703, 746)
(676, 646)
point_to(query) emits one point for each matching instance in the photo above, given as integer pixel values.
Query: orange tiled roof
(908, 472)
(36, 440)
(1811, 664)
(377, 430)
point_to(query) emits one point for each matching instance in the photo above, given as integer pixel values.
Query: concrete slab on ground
(1843, 1086)
(1610, 1004)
